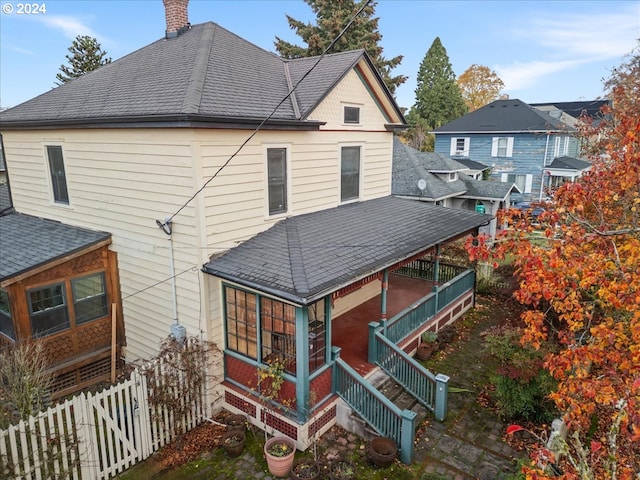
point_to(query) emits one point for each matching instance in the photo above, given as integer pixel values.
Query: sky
(544, 50)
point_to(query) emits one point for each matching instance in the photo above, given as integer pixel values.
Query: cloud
(71, 27)
(521, 75)
(24, 51)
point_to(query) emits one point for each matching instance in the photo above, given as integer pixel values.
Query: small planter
(382, 451)
(305, 469)
(233, 443)
(279, 452)
(236, 423)
(342, 470)
(425, 350)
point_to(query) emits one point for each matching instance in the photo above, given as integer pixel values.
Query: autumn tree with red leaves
(581, 282)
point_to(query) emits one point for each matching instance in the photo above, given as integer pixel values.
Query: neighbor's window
(317, 334)
(278, 322)
(89, 298)
(58, 177)
(351, 115)
(277, 176)
(6, 323)
(48, 310)
(241, 320)
(350, 173)
(502, 147)
(460, 146)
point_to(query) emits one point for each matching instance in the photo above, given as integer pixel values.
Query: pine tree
(438, 97)
(85, 56)
(332, 17)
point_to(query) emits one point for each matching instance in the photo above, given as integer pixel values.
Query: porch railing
(425, 269)
(428, 389)
(377, 410)
(411, 318)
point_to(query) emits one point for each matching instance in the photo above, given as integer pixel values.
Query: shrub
(522, 385)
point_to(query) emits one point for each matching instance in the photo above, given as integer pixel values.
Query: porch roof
(305, 257)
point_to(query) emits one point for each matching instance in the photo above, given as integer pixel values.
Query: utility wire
(266, 119)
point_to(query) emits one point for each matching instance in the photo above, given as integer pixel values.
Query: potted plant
(233, 443)
(428, 345)
(382, 451)
(342, 470)
(305, 469)
(279, 452)
(236, 422)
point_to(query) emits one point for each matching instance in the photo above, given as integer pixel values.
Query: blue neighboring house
(519, 142)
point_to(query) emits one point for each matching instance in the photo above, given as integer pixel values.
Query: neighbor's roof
(206, 74)
(577, 109)
(411, 165)
(486, 189)
(472, 164)
(504, 116)
(28, 242)
(305, 257)
(569, 163)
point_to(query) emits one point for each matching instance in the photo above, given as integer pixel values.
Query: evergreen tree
(85, 56)
(332, 17)
(438, 97)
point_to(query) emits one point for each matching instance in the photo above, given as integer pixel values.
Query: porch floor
(350, 331)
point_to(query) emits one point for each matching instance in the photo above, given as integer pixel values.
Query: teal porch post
(302, 362)
(383, 294)
(408, 432)
(442, 392)
(372, 354)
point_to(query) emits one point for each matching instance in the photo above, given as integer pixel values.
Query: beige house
(249, 202)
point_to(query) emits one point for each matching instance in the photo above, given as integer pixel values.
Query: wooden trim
(54, 263)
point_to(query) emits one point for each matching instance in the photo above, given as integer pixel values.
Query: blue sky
(542, 50)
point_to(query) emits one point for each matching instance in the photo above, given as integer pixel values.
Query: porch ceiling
(306, 257)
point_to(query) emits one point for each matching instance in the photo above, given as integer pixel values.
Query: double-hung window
(58, 176)
(350, 173)
(277, 180)
(89, 297)
(460, 146)
(502, 147)
(48, 310)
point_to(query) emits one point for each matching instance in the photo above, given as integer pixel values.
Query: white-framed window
(277, 180)
(453, 176)
(460, 146)
(350, 158)
(560, 146)
(523, 181)
(565, 151)
(351, 114)
(502, 147)
(57, 174)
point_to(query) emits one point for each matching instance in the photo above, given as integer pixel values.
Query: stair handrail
(377, 410)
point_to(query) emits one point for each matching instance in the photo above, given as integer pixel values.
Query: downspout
(544, 164)
(178, 331)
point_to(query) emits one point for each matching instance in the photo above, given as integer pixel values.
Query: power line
(268, 117)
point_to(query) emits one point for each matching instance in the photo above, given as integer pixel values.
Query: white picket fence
(92, 436)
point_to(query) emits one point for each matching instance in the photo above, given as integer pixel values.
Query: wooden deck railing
(425, 269)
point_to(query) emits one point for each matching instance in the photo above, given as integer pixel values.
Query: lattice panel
(279, 424)
(99, 368)
(322, 421)
(240, 403)
(94, 335)
(65, 381)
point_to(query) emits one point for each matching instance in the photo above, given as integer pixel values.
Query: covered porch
(335, 295)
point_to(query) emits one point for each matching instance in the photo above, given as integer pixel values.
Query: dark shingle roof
(305, 257)
(411, 165)
(472, 164)
(590, 108)
(502, 116)
(569, 163)
(486, 189)
(206, 74)
(5, 197)
(27, 242)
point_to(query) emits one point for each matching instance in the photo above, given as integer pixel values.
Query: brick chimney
(175, 12)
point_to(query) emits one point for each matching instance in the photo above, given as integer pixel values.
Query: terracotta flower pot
(279, 452)
(236, 422)
(382, 451)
